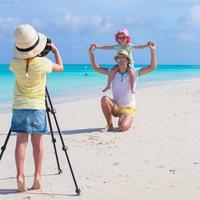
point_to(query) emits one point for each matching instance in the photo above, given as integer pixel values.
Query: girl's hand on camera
(53, 47)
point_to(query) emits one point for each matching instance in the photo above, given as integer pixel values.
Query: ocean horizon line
(114, 63)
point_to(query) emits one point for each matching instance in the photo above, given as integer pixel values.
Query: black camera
(47, 48)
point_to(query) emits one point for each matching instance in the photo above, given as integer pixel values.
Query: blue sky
(73, 25)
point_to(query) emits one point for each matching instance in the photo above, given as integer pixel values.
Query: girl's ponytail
(27, 66)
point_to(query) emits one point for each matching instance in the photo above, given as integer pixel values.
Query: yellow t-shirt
(30, 93)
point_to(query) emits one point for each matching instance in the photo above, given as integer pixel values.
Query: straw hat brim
(121, 54)
(34, 52)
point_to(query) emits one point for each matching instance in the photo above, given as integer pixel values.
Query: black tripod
(64, 147)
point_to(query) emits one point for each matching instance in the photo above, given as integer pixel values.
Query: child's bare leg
(110, 78)
(21, 143)
(38, 157)
(131, 73)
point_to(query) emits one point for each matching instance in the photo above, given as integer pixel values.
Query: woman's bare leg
(125, 122)
(109, 108)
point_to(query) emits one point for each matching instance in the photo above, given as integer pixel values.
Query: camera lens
(49, 41)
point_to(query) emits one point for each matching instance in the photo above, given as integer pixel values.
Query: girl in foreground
(30, 67)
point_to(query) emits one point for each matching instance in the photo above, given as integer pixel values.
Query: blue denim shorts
(29, 121)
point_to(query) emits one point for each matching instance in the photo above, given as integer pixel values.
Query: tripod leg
(64, 147)
(3, 148)
(52, 137)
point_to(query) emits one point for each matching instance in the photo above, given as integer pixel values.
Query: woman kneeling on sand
(123, 103)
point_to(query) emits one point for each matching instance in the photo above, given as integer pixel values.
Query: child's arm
(58, 65)
(141, 46)
(103, 47)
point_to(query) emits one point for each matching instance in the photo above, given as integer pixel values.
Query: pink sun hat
(125, 32)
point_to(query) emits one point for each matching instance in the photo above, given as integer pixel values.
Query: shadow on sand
(8, 191)
(80, 131)
(29, 192)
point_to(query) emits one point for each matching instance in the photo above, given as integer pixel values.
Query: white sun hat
(28, 43)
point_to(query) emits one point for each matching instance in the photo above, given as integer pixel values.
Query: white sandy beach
(158, 159)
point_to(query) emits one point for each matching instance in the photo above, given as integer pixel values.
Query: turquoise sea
(81, 81)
